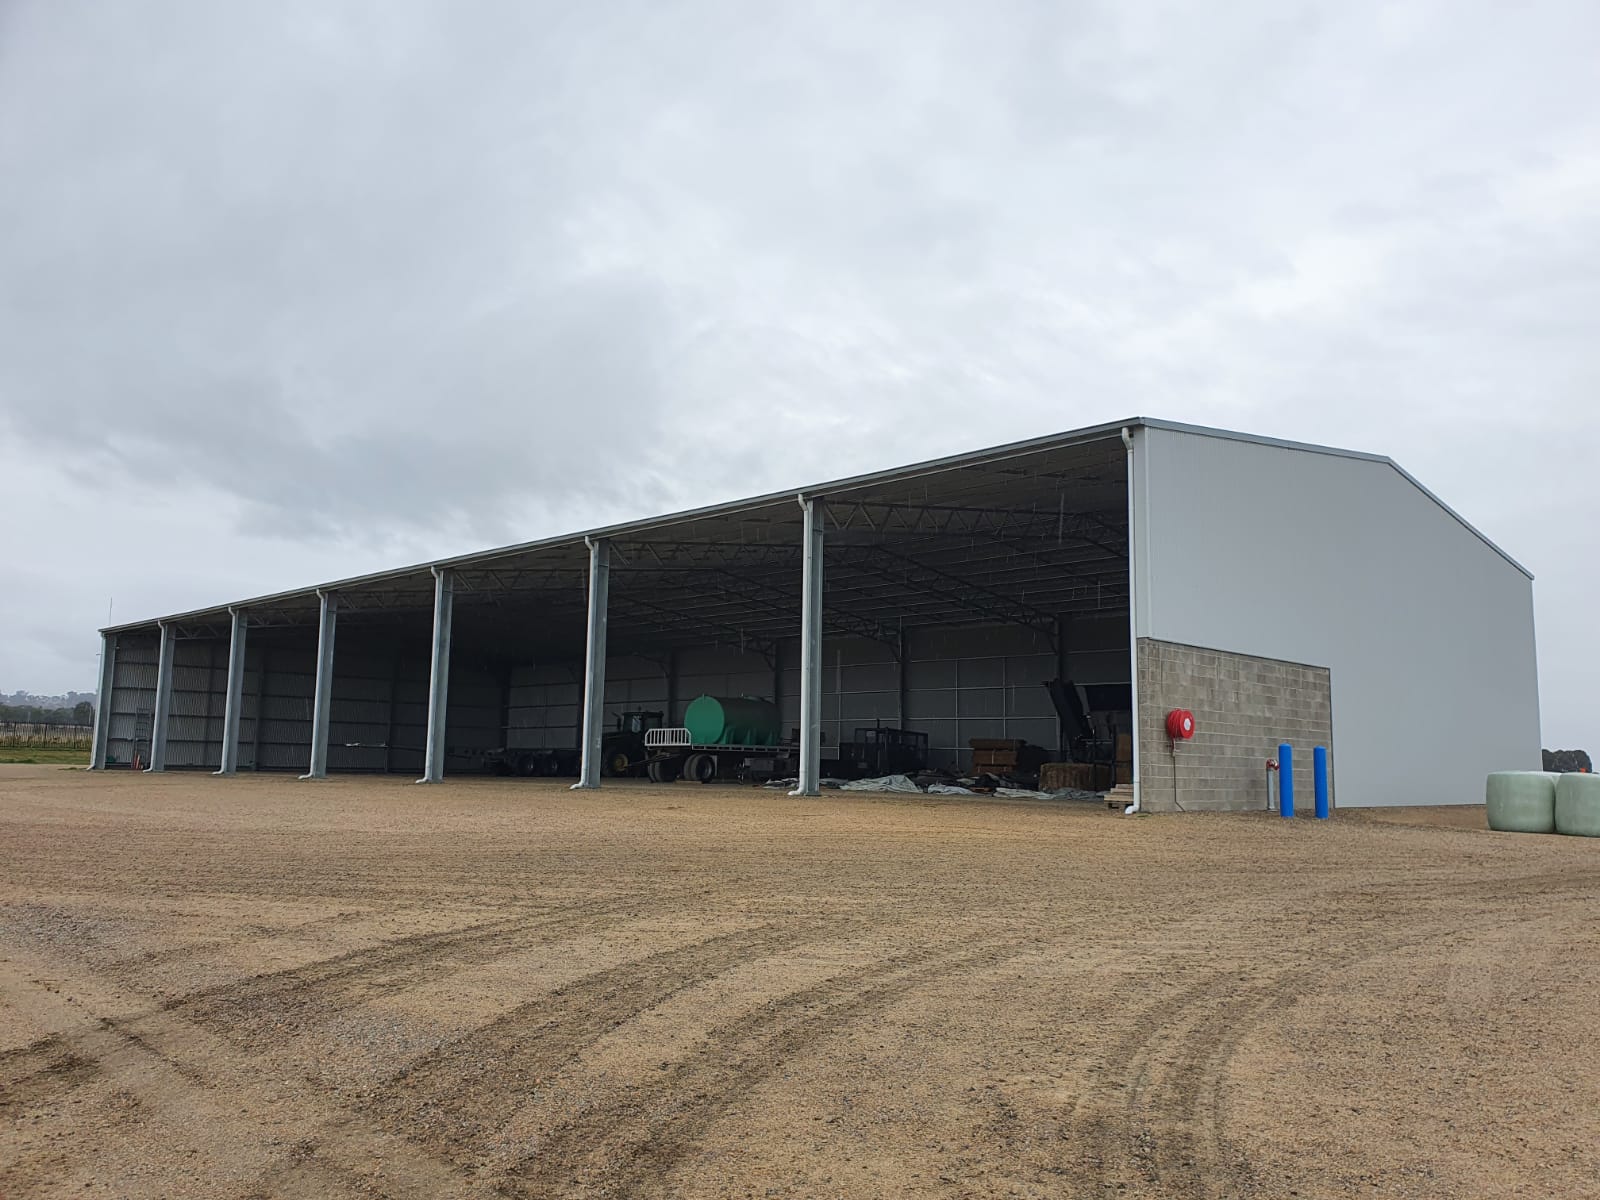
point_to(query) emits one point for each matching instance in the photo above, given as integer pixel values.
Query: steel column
(102, 702)
(439, 675)
(158, 720)
(811, 651)
(327, 623)
(233, 705)
(594, 672)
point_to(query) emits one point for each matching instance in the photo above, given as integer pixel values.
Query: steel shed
(1280, 591)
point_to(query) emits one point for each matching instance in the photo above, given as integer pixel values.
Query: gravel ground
(260, 987)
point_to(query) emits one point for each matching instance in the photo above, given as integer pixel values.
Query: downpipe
(1133, 632)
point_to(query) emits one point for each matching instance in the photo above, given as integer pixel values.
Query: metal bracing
(594, 672)
(383, 602)
(884, 517)
(102, 702)
(233, 698)
(840, 620)
(439, 675)
(810, 781)
(664, 621)
(163, 709)
(1014, 538)
(322, 698)
(964, 593)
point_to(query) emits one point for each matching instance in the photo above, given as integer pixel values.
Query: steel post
(1285, 780)
(594, 673)
(322, 701)
(102, 702)
(811, 651)
(234, 701)
(158, 720)
(439, 675)
(1319, 781)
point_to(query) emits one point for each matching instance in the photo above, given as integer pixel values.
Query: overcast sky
(292, 291)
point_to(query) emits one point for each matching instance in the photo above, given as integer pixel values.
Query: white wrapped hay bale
(1521, 801)
(1578, 805)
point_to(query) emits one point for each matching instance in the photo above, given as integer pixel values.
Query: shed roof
(1020, 531)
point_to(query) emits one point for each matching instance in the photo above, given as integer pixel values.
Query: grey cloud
(364, 281)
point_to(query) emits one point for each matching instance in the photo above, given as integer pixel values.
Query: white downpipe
(1133, 625)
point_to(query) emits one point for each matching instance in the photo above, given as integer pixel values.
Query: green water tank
(1578, 804)
(731, 721)
(1521, 802)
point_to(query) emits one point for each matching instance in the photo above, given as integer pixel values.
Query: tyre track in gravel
(252, 935)
(630, 1143)
(48, 1071)
(252, 1010)
(1169, 1128)
(1162, 1122)
(452, 1098)
(223, 1103)
(41, 1073)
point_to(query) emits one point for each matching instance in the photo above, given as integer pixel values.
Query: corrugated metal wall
(961, 683)
(133, 699)
(199, 690)
(378, 720)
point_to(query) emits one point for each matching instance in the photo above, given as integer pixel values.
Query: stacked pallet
(1083, 777)
(1124, 757)
(1006, 756)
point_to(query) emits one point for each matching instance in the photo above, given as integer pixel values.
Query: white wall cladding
(1343, 562)
(961, 683)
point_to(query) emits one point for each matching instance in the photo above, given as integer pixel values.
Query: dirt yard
(260, 987)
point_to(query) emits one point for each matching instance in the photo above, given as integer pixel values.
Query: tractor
(622, 750)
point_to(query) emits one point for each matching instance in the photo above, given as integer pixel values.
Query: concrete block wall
(1243, 706)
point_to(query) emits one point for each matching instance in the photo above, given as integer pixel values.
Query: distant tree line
(81, 713)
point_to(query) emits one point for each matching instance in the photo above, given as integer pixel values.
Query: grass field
(39, 755)
(259, 987)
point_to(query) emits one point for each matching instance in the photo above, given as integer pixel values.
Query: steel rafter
(841, 620)
(762, 645)
(961, 592)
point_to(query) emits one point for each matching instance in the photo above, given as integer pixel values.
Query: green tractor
(622, 750)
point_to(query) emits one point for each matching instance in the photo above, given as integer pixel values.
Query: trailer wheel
(700, 768)
(663, 771)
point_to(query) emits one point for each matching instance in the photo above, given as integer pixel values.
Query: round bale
(1578, 805)
(1521, 802)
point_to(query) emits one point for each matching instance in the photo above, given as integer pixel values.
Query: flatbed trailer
(672, 754)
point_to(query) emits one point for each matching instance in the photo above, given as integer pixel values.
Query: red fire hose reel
(1180, 724)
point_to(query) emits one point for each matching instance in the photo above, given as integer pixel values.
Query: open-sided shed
(1261, 582)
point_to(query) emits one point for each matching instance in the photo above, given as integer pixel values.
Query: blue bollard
(1319, 773)
(1286, 780)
